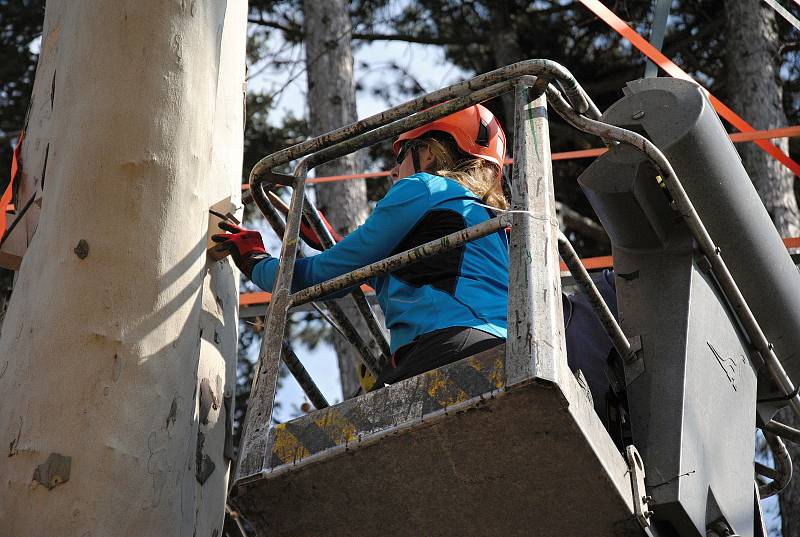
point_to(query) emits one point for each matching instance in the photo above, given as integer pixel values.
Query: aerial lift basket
(506, 442)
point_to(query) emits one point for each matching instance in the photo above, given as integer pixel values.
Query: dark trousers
(436, 349)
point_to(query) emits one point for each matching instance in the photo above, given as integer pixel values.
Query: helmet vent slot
(483, 135)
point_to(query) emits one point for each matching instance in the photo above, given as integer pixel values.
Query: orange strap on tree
(5, 199)
(618, 25)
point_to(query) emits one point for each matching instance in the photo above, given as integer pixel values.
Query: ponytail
(477, 175)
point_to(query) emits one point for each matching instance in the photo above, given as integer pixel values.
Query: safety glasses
(401, 155)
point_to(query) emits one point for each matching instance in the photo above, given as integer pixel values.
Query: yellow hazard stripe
(338, 429)
(443, 390)
(287, 447)
(440, 388)
(495, 374)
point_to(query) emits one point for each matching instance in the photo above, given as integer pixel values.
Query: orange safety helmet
(475, 130)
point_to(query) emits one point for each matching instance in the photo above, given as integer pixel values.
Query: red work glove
(310, 236)
(244, 245)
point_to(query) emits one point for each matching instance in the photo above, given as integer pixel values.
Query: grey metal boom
(689, 214)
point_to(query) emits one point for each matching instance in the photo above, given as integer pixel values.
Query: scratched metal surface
(292, 443)
(490, 461)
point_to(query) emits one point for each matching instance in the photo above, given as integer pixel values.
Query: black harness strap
(415, 158)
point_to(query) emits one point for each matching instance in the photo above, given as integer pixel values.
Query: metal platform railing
(534, 242)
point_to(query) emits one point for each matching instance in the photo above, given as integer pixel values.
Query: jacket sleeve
(394, 216)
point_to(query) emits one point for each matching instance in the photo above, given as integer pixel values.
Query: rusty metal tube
(390, 264)
(579, 272)
(783, 430)
(698, 230)
(302, 377)
(341, 323)
(536, 67)
(265, 377)
(783, 467)
(407, 123)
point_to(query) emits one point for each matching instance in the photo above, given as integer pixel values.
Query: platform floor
(446, 456)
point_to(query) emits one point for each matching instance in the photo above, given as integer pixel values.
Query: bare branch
(408, 38)
(296, 31)
(292, 30)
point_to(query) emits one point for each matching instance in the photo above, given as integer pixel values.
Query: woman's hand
(244, 245)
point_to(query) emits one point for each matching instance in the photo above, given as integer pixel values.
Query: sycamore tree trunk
(117, 354)
(332, 104)
(753, 64)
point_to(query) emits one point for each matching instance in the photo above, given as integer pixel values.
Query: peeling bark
(54, 471)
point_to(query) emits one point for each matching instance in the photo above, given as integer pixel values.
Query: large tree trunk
(118, 349)
(332, 104)
(752, 63)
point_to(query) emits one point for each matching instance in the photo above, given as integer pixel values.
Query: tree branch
(297, 31)
(422, 39)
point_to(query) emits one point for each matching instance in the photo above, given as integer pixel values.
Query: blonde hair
(477, 175)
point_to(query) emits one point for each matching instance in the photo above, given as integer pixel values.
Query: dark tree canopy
(481, 35)
(20, 25)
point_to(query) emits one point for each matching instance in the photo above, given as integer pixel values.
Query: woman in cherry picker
(443, 308)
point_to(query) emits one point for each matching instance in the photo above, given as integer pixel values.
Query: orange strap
(784, 132)
(618, 25)
(256, 298)
(591, 263)
(792, 242)
(5, 199)
(332, 178)
(737, 137)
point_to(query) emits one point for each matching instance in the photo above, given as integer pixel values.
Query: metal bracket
(634, 362)
(636, 348)
(584, 384)
(536, 85)
(640, 498)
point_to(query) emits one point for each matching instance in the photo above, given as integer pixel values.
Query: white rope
(507, 211)
(784, 13)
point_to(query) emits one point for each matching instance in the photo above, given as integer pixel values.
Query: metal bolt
(82, 249)
(638, 115)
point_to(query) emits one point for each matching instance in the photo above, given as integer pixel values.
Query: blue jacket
(463, 287)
